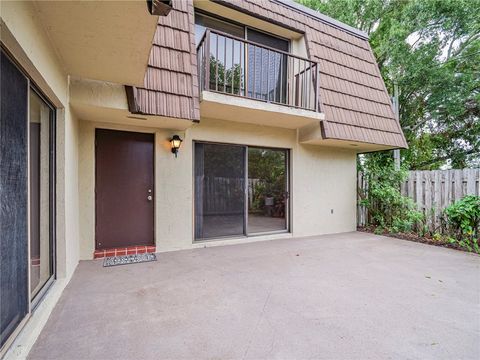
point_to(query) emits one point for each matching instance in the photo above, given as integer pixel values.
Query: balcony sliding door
(239, 190)
(227, 55)
(267, 69)
(241, 68)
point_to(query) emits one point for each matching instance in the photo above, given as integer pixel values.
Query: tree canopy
(431, 49)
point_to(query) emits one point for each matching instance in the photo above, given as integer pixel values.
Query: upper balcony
(241, 80)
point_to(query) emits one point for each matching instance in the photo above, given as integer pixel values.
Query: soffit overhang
(101, 40)
(105, 102)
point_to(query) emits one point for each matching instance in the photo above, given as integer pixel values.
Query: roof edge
(327, 19)
(326, 136)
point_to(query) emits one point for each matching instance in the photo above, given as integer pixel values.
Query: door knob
(149, 197)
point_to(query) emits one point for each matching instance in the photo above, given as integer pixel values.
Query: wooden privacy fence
(225, 196)
(222, 195)
(432, 191)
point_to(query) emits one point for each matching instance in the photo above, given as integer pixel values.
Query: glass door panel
(227, 54)
(41, 248)
(267, 69)
(267, 190)
(202, 22)
(13, 197)
(219, 190)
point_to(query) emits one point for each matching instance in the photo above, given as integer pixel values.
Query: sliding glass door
(239, 190)
(27, 196)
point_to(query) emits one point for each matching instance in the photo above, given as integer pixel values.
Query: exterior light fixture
(159, 7)
(175, 141)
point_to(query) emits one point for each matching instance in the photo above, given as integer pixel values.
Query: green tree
(431, 48)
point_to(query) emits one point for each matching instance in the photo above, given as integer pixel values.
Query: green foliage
(267, 166)
(431, 48)
(437, 237)
(463, 220)
(388, 210)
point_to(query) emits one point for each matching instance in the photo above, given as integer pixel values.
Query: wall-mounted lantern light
(175, 142)
(159, 7)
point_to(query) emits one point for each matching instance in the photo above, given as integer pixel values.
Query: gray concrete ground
(344, 296)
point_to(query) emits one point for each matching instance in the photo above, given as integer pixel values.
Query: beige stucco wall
(322, 179)
(71, 192)
(32, 49)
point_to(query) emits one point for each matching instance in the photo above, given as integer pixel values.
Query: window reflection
(267, 190)
(41, 259)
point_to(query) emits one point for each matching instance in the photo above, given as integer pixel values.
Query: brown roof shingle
(170, 85)
(352, 92)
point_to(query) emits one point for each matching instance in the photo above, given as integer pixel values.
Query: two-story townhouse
(217, 122)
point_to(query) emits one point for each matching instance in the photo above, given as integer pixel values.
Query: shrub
(388, 209)
(463, 222)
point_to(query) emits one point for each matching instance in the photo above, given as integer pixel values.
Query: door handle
(149, 197)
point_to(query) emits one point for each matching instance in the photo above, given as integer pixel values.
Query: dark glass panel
(204, 21)
(219, 190)
(268, 40)
(267, 69)
(13, 197)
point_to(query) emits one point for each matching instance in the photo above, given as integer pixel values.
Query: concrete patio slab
(343, 296)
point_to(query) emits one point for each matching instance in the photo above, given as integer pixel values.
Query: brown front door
(124, 185)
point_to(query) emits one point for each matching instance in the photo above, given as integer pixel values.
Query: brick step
(129, 250)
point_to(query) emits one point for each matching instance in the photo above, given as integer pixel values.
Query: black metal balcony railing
(239, 67)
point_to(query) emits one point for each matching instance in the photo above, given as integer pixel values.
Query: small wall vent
(136, 117)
